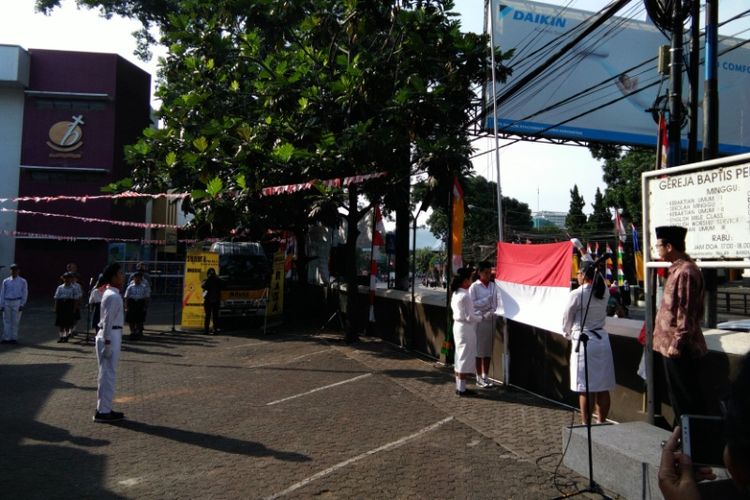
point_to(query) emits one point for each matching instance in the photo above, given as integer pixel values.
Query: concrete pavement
(294, 414)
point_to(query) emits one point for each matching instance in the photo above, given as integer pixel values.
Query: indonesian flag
(663, 142)
(534, 283)
(457, 225)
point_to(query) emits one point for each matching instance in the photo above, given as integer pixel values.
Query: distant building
(546, 218)
(65, 118)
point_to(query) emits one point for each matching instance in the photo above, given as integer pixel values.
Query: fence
(165, 277)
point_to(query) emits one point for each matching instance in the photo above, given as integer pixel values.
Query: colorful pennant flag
(639, 274)
(620, 273)
(608, 272)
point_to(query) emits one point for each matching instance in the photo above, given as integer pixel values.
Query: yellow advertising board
(276, 295)
(196, 267)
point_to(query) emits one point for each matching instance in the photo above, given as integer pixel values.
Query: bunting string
(59, 237)
(85, 198)
(142, 225)
(303, 186)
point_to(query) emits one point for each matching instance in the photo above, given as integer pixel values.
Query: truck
(245, 272)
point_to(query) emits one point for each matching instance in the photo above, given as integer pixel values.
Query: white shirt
(596, 316)
(462, 307)
(483, 297)
(140, 291)
(14, 289)
(68, 292)
(95, 297)
(112, 313)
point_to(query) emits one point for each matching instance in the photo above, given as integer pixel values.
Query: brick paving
(294, 414)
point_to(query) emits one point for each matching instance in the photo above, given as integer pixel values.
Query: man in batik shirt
(678, 337)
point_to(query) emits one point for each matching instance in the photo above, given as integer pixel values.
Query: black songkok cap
(671, 233)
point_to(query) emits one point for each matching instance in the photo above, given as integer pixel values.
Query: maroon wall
(109, 123)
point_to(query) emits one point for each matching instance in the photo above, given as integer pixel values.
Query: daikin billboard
(614, 69)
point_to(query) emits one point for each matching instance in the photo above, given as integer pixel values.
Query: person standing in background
(484, 297)
(211, 300)
(72, 268)
(67, 298)
(136, 300)
(13, 295)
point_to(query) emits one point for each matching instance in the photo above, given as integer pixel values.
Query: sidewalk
(295, 414)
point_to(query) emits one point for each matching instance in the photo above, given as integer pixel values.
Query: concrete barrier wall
(539, 359)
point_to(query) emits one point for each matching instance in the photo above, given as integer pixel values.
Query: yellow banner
(196, 267)
(276, 296)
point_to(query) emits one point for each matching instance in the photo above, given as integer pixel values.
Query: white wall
(13, 79)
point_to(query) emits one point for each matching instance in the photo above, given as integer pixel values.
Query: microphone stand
(583, 338)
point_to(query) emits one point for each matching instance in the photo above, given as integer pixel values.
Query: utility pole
(675, 86)
(711, 133)
(693, 76)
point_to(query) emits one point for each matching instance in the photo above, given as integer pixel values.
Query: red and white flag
(534, 283)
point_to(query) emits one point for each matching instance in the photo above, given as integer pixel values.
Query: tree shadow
(213, 441)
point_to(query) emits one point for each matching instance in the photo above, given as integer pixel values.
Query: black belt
(17, 298)
(117, 328)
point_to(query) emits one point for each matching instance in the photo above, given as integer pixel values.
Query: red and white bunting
(59, 237)
(142, 225)
(85, 198)
(303, 186)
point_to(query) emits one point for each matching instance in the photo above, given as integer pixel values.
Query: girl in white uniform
(464, 330)
(588, 303)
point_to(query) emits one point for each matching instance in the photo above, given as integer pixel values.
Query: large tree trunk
(300, 233)
(352, 288)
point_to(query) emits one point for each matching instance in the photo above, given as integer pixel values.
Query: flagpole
(506, 352)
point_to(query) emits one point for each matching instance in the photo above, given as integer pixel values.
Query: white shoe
(481, 382)
(487, 382)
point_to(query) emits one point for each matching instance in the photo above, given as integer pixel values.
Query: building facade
(71, 114)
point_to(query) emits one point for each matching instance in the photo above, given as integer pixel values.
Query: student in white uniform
(464, 331)
(13, 294)
(587, 312)
(67, 298)
(108, 342)
(136, 296)
(484, 297)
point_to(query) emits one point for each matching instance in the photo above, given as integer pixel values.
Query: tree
(622, 173)
(480, 214)
(575, 221)
(264, 93)
(599, 224)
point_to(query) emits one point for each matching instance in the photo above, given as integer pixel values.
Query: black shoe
(13, 341)
(467, 392)
(65, 339)
(61, 340)
(112, 416)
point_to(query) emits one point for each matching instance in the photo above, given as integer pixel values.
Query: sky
(540, 175)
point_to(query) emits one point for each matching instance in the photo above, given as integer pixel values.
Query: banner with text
(196, 267)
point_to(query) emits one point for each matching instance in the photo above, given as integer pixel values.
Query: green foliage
(623, 177)
(265, 93)
(600, 224)
(480, 213)
(575, 221)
